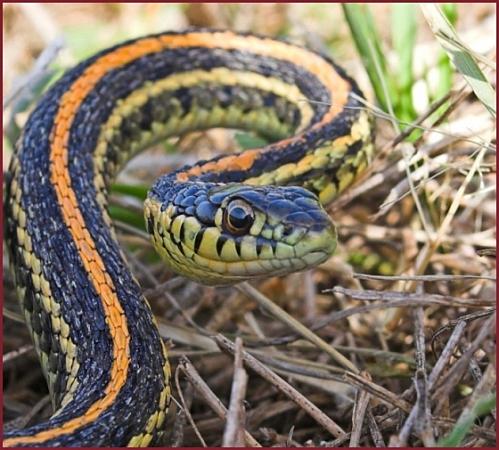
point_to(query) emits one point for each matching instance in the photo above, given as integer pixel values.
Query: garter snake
(256, 213)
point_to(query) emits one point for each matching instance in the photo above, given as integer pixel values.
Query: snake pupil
(238, 217)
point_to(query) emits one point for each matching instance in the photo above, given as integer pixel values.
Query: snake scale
(252, 214)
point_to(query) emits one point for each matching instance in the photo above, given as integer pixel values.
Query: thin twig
(185, 408)
(400, 302)
(24, 85)
(427, 299)
(484, 389)
(464, 318)
(23, 421)
(233, 434)
(376, 435)
(284, 387)
(420, 416)
(284, 317)
(446, 353)
(376, 390)
(213, 401)
(366, 276)
(177, 433)
(456, 372)
(358, 414)
(10, 356)
(431, 246)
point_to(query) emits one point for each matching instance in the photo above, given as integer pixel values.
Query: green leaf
(462, 57)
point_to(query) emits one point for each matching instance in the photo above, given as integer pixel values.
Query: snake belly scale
(256, 213)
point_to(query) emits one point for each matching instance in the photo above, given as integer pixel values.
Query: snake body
(218, 222)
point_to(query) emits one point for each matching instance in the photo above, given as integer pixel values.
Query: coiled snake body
(217, 222)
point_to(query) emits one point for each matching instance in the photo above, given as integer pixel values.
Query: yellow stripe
(46, 299)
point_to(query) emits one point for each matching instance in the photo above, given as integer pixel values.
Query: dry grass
(391, 342)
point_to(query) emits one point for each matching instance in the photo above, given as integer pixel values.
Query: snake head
(224, 234)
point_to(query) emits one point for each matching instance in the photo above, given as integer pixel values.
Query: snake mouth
(314, 249)
(317, 242)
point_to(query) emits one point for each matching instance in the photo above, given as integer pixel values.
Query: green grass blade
(461, 56)
(404, 32)
(125, 215)
(368, 45)
(483, 406)
(445, 69)
(134, 190)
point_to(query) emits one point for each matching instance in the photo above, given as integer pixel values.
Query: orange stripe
(72, 216)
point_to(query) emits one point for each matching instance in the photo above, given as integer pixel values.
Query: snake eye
(238, 217)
